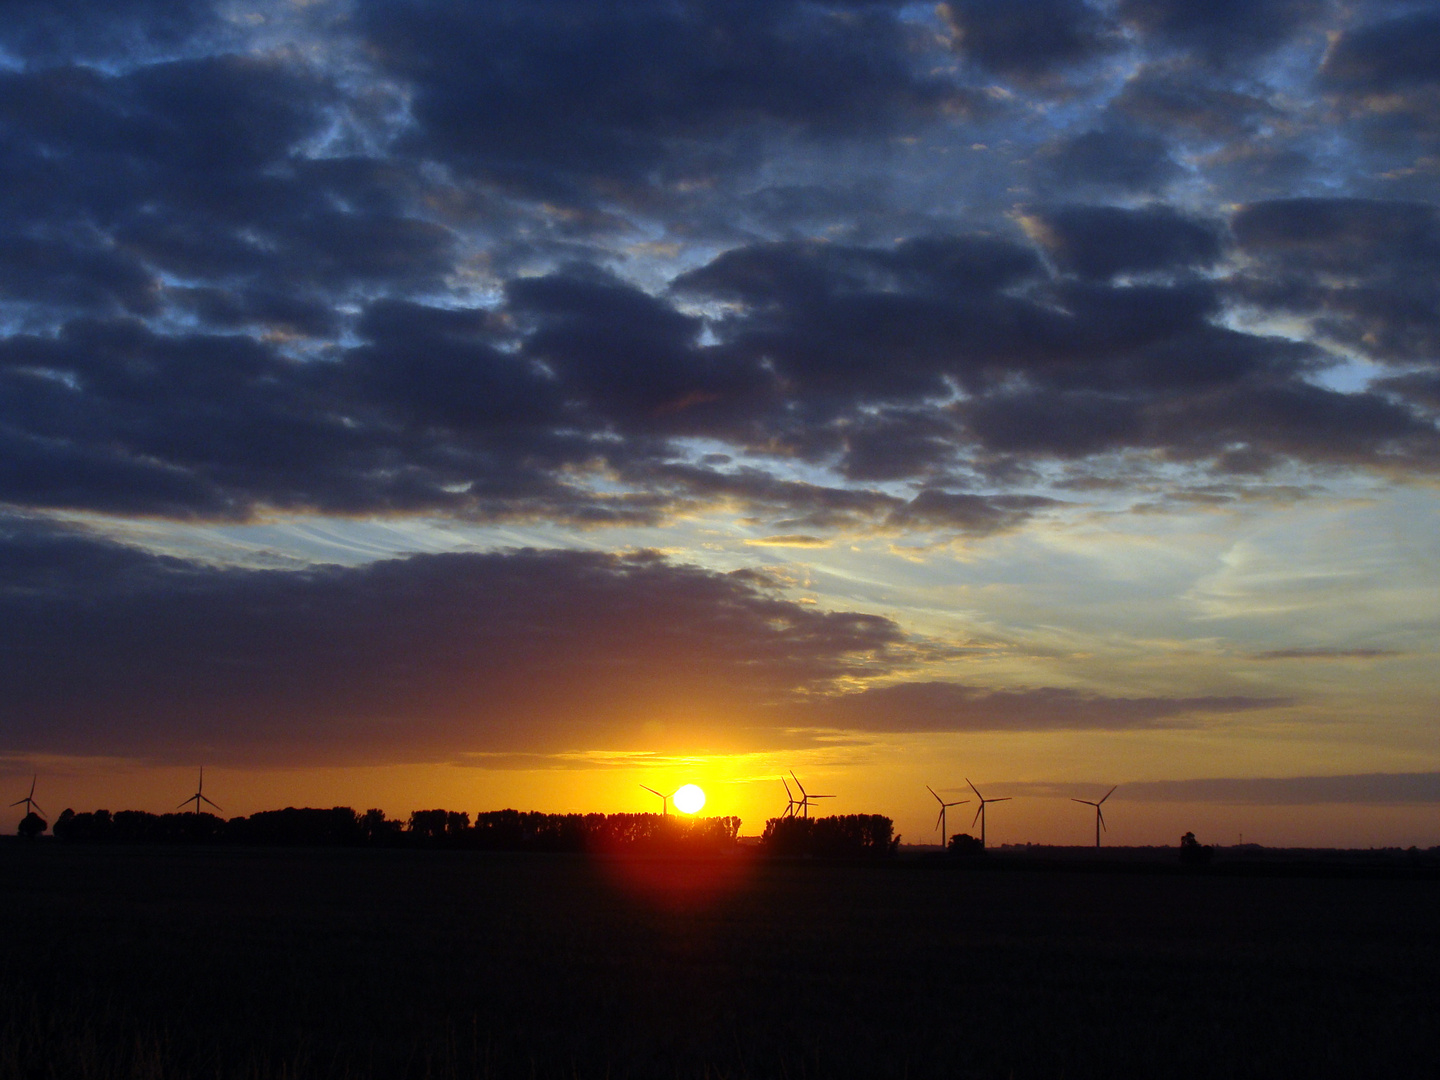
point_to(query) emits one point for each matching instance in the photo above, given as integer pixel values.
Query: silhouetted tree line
(496, 830)
(853, 836)
(513, 830)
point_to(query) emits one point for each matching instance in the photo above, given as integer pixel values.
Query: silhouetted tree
(788, 836)
(1193, 853)
(91, 827)
(136, 827)
(377, 828)
(965, 845)
(338, 826)
(848, 837)
(436, 825)
(31, 826)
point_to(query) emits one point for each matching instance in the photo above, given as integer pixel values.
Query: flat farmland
(374, 963)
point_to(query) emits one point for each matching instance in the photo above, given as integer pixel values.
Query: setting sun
(689, 799)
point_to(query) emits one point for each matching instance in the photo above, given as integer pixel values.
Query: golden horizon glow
(690, 799)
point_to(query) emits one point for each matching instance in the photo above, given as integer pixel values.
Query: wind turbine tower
(29, 800)
(664, 800)
(980, 813)
(199, 795)
(1099, 814)
(940, 821)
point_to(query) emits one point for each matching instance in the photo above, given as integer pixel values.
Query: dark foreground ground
(233, 963)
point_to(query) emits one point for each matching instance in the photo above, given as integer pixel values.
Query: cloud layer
(110, 650)
(1381, 789)
(390, 257)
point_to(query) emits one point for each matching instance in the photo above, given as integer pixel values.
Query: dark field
(179, 963)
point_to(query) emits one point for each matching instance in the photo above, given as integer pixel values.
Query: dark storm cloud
(1381, 77)
(1187, 100)
(1370, 237)
(78, 273)
(946, 706)
(109, 415)
(1115, 159)
(824, 314)
(191, 167)
(1420, 389)
(257, 309)
(1062, 424)
(634, 359)
(1221, 30)
(1064, 369)
(1028, 40)
(433, 367)
(1102, 241)
(109, 650)
(46, 31)
(549, 97)
(1366, 269)
(1373, 789)
(1394, 54)
(1309, 423)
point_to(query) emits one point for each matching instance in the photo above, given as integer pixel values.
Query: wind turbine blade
(978, 811)
(37, 806)
(931, 790)
(975, 789)
(797, 782)
(939, 818)
(186, 803)
(652, 791)
(1007, 798)
(211, 803)
(1108, 794)
(1082, 801)
(1101, 816)
(17, 802)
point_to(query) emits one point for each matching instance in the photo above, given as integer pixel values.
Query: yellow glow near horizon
(689, 799)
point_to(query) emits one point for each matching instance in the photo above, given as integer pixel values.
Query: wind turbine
(29, 800)
(664, 800)
(1099, 814)
(199, 795)
(980, 813)
(789, 799)
(805, 796)
(940, 821)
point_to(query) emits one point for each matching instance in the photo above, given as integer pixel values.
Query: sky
(413, 403)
